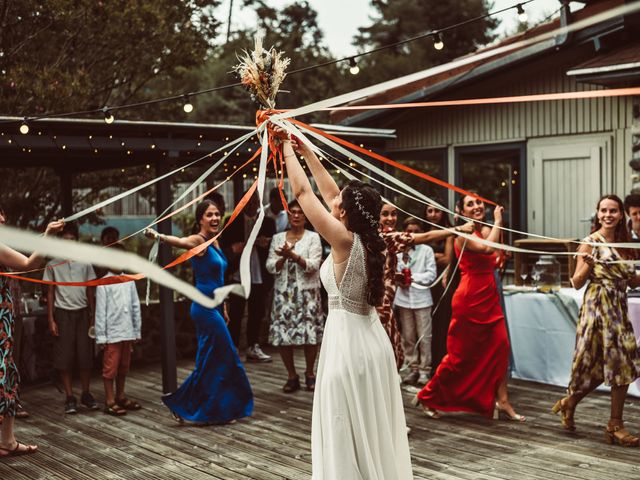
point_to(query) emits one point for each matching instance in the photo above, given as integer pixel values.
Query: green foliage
(65, 55)
(398, 20)
(294, 30)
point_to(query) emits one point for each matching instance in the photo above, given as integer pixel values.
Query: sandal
(115, 410)
(567, 414)
(177, 418)
(310, 382)
(429, 412)
(128, 404)
(17, 451)
(21, 412)
(292, 385)
(618, 435)
(500, 413)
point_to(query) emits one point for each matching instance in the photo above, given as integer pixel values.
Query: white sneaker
(255, 354)
(423, 379)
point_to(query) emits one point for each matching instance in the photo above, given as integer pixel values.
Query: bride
(358, 427)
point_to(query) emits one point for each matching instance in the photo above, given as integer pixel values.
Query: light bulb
(438, 44)
(353, 66)
(188, 106)
(522, 15)
(108, 116)
(24, 128)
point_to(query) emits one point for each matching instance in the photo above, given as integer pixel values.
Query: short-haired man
(632, 207)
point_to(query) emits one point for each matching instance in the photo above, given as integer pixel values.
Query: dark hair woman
(472, 377)
(357, 383)
(398, 242)
(445, 260)
(9, 378)
(297, 315)
(606, 349)
(218, 390)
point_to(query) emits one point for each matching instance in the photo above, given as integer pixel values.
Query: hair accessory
(357, 197)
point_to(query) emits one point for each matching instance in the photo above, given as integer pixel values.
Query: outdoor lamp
(354, 69)
(522, 15)
(108, 116)
(438, 44)
(24, 127)
(188, 106)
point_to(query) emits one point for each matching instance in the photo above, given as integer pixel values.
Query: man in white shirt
(70, 318)
(275, 210)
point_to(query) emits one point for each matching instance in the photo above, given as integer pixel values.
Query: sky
(340, 19)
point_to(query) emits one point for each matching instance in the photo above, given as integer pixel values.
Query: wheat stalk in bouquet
(261, 72)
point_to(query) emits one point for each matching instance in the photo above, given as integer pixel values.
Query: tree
(398, 20)
(69, 55)
(294, 30)
(66, 55)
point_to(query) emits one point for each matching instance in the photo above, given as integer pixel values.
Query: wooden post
(167, 310)
(66, 186)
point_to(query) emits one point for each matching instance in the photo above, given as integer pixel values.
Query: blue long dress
(218, 390)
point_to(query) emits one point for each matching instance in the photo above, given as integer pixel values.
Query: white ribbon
(110, 258)
(122, 195)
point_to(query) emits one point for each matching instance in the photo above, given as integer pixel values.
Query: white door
(565, 183)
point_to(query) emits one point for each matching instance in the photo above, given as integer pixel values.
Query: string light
(188, 106)
(24, 127)
(438, 44)
(108, 116)
(522, 15)
(354, 69)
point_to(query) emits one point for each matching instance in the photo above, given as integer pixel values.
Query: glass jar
(549, 274)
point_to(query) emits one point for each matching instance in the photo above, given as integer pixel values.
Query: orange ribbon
(393, 163)
(139, 276)
(275, 150)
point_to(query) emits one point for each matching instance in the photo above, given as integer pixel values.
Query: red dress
(478, 346)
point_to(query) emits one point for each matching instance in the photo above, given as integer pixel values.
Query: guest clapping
(297, 317)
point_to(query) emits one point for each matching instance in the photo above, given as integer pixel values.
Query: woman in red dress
(472, 377)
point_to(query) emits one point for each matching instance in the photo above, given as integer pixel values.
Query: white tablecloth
(542, 330)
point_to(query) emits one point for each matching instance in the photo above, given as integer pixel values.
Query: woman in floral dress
(9, 378)
(606, 349)
(297, 317)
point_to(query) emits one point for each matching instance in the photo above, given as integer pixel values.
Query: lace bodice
(351, 294)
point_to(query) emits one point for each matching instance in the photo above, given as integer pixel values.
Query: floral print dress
(297, 315)
(606, 349)
(9, 378)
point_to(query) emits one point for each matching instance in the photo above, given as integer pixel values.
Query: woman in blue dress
(218, 390)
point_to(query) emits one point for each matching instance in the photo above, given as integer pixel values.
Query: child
(118, 323)
(70, 312)
(416, 268)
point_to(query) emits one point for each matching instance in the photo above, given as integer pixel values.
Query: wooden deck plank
(274, 444)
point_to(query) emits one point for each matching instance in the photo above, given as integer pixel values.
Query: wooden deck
(275, 442)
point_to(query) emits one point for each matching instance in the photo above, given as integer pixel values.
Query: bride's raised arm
(326, 224)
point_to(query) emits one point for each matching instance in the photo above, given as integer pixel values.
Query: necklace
(295, 238)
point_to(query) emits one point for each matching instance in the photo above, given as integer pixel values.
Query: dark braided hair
(200, 209)
(362, 205)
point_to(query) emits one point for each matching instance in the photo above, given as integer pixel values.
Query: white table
(542, 330)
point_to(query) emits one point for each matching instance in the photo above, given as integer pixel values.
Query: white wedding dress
(358, 428)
